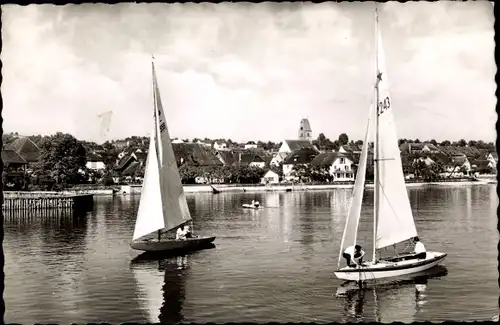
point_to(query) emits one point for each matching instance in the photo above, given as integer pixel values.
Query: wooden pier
(41, 201)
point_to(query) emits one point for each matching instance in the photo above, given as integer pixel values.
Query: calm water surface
(273, 264)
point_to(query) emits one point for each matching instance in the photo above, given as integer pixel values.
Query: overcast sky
(247, 71)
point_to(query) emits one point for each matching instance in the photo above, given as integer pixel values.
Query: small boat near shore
(254, 205)
(249, 206)
(162, 206)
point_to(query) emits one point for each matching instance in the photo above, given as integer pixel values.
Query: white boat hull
(388, 269)
(188, 244)
(249, 206)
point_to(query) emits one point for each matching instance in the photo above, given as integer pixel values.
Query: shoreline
(205, 188)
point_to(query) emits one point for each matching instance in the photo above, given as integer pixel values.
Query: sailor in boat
(181, 233)
(353, 253)
(419, 249)
(189, 233)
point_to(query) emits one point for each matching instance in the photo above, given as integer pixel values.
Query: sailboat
(393, 220)
(163, 206)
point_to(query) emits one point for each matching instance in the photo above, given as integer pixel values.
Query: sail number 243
(384, 105)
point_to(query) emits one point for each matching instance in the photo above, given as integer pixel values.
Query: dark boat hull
(190, 244)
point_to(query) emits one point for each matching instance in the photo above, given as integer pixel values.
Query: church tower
(305, 132)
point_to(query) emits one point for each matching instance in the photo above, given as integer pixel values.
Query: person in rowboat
(353, 253)
(419, 249)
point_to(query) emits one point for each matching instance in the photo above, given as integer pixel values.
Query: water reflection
(161, 287)
(392, 300)
(173, 288)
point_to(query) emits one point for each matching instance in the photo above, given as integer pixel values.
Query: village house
(27, 149)
(251, 159)
(493, 158)
(219, 145)
(250, 145)
(454, 166)
(201, 143)
(302, 156)
(350, 148)
(340, 165)
(482, 166)
(288, 146)
(270, 178)
(278, 158)
(94, 162)
(14, 168)
(227, 157)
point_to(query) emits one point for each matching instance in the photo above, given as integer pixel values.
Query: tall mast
(376, 146)
(155, 111)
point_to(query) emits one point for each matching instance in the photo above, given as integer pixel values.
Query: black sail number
(384, 105)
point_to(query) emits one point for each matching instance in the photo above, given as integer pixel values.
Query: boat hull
(189, 244)
(390, 269)
(249, 206)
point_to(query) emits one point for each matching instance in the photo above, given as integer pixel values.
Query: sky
(248, 71)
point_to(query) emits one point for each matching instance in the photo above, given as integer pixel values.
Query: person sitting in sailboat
(189, 233)
(181, 233)
(353, 253)
(419, 249)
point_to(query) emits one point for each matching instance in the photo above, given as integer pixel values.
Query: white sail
(150, 213)
(175, 208)
(352, 221)
(395, 220)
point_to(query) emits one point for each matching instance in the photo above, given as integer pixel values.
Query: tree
(462, 143)
(343, 139)
(62, 157)
(416, 141)
(188, 173)
(472, 143)
(445, 143)
(434, 142)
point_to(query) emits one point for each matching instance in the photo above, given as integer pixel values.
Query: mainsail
(395, 219)
(175, 208)
(352, 221)
(163, 203)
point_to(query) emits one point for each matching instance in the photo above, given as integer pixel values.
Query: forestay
(351, 225)
(395, 219)
(175, 208)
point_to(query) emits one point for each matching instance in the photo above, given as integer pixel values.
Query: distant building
(339, 165)
(270, 178)
(305, 132)
(94, 162)
(218, 145)
(250, 145)
(25, 148)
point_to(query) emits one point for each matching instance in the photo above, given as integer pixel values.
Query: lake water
(273, 264)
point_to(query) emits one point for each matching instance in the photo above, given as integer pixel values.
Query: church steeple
(305, 132)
